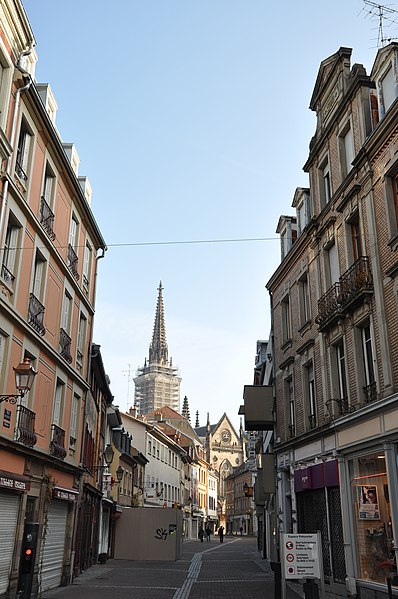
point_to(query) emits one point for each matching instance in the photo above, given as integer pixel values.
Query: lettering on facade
(161, 534)
(12, 483)
(65, 495)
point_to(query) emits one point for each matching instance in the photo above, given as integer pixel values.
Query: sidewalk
(214, 570)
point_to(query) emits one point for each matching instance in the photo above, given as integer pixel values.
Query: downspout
(27, 77)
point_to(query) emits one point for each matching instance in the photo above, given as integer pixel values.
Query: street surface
(212, 570)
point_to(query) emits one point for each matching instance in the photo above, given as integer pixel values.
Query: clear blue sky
(191, 120)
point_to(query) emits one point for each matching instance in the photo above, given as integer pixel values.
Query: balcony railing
(342, 296)
(47, 219)
(312, 420)
(57, 443)
(7, 275)
(370, 392)
(20, 172)
(64, 345)
(73, 261)
(344, 407)
(25, 429)
(36, 314)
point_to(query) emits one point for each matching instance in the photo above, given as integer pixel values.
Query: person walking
(201, 534)
(208, 533)
(241, 530)
(221, 534)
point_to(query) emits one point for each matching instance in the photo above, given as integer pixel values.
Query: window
(74, 419)
(289, 396)
(5, 85)
(11, 250)
(38, 278)
(303, 212)
(387, 90)
(346, 144)
(356, 239)
(49, 186)
(368, 362)
(394, 185)
(332, 270)
(310, 392)
(74, 233)
(286, 328)
(58, 402)
(339, 377)
(23, 151)
(304, 300)
(81, 339)
(87, 268)
(325, 191)
(46, 203)
(66, 312)
(371, 496)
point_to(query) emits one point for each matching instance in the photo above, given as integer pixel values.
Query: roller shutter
(9, 507)
(52, 555)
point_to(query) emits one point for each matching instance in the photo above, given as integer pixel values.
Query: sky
(191, 121)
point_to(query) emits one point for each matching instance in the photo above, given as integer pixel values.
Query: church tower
(157, 383)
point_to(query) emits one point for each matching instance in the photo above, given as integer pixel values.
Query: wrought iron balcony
(73, 261)
(36, 314)
(344, 406)
(312, 420)
(343, 296)
(20, 172)
(64, 345)
(47, 219)
(7, 275)
(25, 429)
(370, 392)
(57, 443)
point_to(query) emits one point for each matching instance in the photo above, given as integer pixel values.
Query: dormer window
(287, 228)
(387, 89)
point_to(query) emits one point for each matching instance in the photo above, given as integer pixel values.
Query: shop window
(372, 517)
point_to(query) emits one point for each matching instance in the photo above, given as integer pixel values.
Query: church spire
(185, 409)
(158, 350)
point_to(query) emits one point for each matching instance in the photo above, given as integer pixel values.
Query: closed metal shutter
(9, 507)
(52, 554)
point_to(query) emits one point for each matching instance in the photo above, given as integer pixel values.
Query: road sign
(301, 556)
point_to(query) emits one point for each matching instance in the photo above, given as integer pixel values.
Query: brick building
(334, 314)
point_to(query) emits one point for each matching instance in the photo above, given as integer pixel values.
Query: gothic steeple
(158, 350)
(185, 409)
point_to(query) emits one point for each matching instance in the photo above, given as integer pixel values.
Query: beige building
(334, 314)
(50, 244)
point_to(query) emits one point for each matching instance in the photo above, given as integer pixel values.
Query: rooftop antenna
(385, 15)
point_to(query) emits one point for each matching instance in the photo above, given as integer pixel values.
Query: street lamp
(119, 474)
(108, 455)
(24, 377)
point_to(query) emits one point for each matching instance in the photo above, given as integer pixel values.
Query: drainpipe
(19, 91)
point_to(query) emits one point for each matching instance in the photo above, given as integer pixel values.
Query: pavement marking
(192, 576)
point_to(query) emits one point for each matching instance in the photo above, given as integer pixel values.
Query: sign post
(302, 557)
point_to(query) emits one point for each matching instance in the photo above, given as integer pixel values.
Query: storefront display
(372, 517)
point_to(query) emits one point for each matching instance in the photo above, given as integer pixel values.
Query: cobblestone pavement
(212, 570)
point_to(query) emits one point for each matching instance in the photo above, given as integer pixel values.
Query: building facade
(157, 383)
(334, 317)
(50, 243)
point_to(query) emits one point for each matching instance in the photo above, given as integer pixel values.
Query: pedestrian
(241, 530)
(221, 534)
(201, 534)
(208, 533)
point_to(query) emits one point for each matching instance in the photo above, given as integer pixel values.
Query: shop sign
(301, 556)
(64, 494)
(6, 482)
